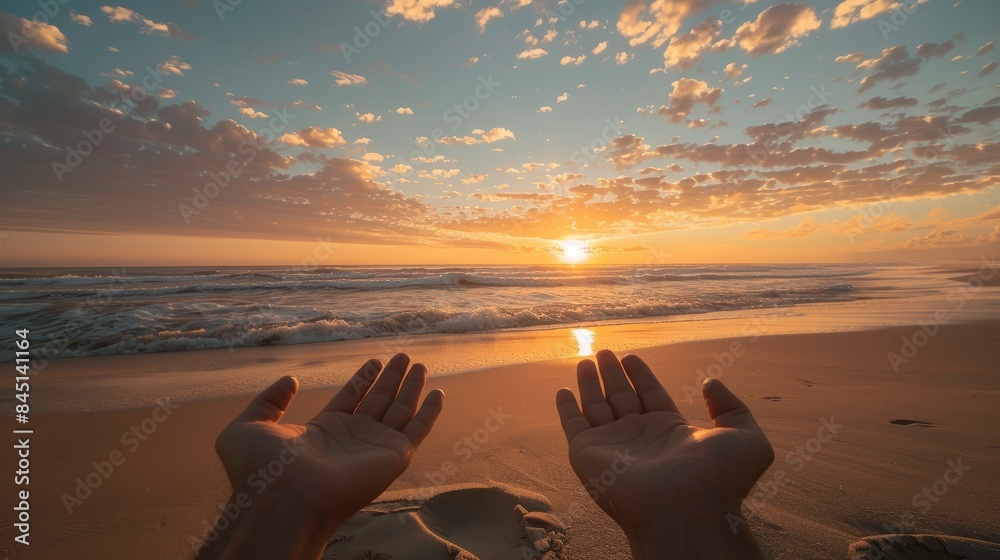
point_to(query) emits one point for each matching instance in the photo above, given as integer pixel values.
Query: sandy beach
(861, 449)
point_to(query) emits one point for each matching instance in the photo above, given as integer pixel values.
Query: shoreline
(136, 380)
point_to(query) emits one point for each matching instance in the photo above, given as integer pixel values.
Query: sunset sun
(573, 252)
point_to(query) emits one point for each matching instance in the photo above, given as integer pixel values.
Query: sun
(573, 251)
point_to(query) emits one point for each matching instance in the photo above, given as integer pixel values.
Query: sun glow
(584, 341)
(573, 252)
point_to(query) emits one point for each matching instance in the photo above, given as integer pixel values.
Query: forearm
(718, 533)
(272, 527)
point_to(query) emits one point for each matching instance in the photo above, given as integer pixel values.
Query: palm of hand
(346, 456)
(658, 460)
(638, 457)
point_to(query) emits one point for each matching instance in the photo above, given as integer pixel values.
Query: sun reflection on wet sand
(584, 341)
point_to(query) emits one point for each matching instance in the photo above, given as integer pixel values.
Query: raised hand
(671, 486)
(319, 474)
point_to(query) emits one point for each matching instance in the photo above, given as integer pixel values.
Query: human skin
(672, 487)
(330, 468)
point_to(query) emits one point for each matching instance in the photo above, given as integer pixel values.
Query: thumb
(725, 408)
(270, 405)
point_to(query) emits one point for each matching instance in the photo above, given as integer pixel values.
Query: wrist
(267, 525)
(716, 531)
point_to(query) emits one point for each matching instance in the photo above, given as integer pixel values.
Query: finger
(596, 408)
(347, 399)
(270, 405)
(418, 428)
(619, 393)
(652, 394)
(402, 409)
(377, 400)
(726, 409)
(573, 421)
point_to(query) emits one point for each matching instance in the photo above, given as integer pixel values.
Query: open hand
(346, 456)
(643, 463)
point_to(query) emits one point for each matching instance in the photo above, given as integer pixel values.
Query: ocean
(103, 311)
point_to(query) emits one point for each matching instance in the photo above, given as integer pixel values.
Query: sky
(243, 132)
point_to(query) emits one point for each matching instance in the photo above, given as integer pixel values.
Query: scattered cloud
(776, 29)
(346, 79)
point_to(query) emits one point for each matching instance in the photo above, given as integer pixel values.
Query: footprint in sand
(462, 522)
(773, 399)
(920, 423)
(922, 547)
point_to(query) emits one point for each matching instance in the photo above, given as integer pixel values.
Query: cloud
(17, 35)
(658, 21)
(314, 137)
(626, 151)
(986, 48)
(852, 58)
(600, 47)
(485, 137)
(733, 70)
(497, 134)
(938, 238)
(373, 156)
(762, 103)
(80, 19)
(345, 79)
(368, 118)
(473, 179)
(420, 11)
(545, 109)
(851, 11)
(470, 63)
(297, 82)
(621, 58)
(119, 14)
(567, 60)
(531, 54)
(252, 113)
(686, 94)
(485, 15)
(880, 103)
(684, 51)
(928, 50)
(777, 28)
(173, 65)
(563, 97)
(328, 48)
(404, 111)
(987, 69)
(894, 63)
